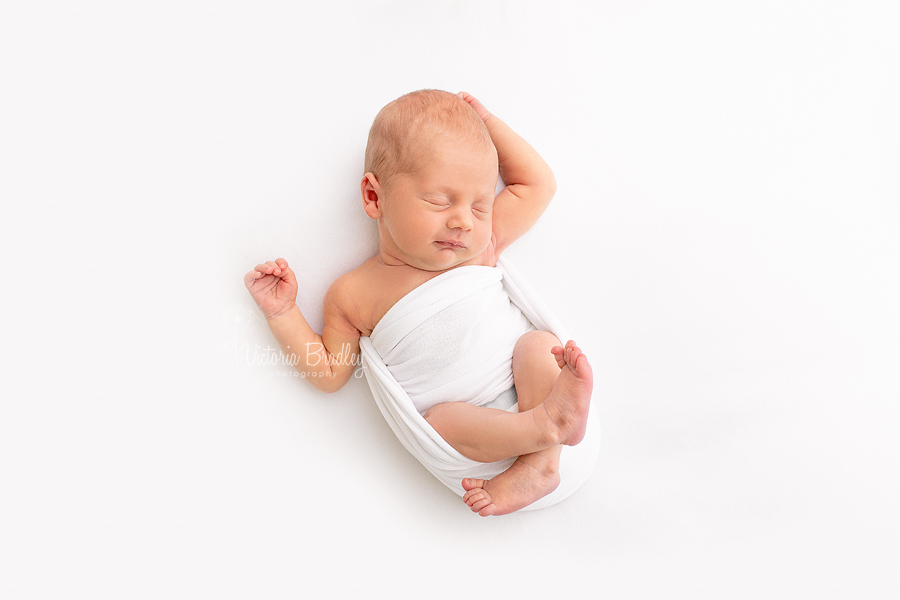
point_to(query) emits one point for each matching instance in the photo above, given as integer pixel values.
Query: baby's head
(409, 129)
(431, 173)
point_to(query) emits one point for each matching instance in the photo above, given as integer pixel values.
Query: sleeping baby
(433, 304)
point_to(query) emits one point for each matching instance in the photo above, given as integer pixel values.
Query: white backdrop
(723, 243)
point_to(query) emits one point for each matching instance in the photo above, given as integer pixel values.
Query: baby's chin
(440, 261)
(459, 259)
(436, 265)
(438, 258)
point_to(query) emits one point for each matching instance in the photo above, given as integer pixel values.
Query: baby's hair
(401, 135)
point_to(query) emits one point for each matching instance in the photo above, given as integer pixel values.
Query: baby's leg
(488, 435)
(538, 375)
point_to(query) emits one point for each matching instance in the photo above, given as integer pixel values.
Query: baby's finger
(281, 263)
(250, 277)
(263, 268)
(276, 270)
(287, 275)
(476, 105)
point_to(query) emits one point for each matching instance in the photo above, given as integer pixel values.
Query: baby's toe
(481, 504)
(576, 352)
(471, 484)
(473, 497)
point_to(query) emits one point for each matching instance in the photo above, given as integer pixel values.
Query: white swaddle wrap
(452, 339)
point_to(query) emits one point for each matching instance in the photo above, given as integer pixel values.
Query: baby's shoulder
(365, 294)
(358, 295)
(353, 284)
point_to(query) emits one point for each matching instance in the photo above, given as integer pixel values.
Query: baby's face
(440, 217)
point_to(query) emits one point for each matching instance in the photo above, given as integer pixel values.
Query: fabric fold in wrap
(451, 339)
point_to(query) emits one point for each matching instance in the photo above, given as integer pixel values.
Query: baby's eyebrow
(449, 194)
(434, 190)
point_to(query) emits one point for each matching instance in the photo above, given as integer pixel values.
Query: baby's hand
(474, 103)
(273, 287)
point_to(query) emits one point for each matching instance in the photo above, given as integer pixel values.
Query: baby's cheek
(484, 237)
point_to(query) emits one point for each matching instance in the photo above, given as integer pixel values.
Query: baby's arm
(530, 183)
(327, 361)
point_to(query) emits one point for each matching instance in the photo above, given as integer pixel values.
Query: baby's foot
(563, 415)
(529, 479)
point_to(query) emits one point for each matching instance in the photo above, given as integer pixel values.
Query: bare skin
(554, 389)
(489, 435)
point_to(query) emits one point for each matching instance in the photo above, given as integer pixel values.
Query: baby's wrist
(283, 314)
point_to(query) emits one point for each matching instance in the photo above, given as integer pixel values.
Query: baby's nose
(460, 219)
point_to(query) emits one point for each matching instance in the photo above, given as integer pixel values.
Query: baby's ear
(371, 195)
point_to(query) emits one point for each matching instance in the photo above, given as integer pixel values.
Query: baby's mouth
(450, 244)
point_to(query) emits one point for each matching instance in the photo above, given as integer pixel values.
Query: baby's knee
(540, 341)
(433, 412)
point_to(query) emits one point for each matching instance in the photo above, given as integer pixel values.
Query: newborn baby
(431, 171)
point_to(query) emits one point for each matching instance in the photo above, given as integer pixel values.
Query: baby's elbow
(329, 382)
(327, 385)
(550, 184)
(335, 387)
(545, 192)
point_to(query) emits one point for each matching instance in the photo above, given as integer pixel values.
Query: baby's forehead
(423, 151)
(433, 137)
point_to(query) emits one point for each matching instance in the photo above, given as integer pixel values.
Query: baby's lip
(450, 244)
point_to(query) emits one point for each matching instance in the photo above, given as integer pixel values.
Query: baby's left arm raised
(530, 184)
